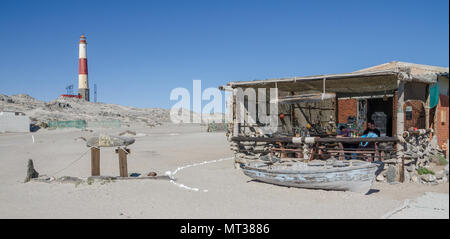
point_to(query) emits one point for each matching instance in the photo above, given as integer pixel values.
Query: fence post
(123, 161)
(95, 161)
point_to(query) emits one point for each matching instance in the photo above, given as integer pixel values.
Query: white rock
(407, 177)
(414, 179)
(380, 178)
(440, 175)
(428, 178)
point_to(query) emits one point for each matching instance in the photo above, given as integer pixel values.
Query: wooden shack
(397, 95)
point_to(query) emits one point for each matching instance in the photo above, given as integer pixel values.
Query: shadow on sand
(371, 191)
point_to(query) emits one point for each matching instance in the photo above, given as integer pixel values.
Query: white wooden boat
(352, 175)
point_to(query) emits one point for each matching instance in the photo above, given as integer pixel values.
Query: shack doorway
(380, 110)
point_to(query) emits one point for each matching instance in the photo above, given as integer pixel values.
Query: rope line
(70, 164)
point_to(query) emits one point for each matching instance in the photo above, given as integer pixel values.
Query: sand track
(230, 193)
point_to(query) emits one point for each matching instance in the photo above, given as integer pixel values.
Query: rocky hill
(77, 109)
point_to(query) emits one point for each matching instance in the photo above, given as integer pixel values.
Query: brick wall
(346, 108)
(418, 114)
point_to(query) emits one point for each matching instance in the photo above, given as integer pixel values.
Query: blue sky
(138, 51)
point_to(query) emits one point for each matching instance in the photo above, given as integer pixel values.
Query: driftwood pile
(92, 179)
(412, 164)
(245, 151)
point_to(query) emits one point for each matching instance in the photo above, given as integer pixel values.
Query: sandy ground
(223, 192)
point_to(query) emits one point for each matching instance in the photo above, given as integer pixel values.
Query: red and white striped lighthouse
(83, 85)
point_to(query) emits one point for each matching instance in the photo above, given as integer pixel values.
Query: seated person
(371, 129)
(343, 131)
(346, 132)
(370, 132)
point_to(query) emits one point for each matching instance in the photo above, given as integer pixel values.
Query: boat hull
(356, 179)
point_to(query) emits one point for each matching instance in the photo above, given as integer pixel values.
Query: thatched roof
(374, 79)
(415, 69)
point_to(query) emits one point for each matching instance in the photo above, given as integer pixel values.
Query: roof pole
(323, 88)
(427, 107)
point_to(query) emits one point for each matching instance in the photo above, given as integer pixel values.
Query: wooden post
(341, 151)
(313, 152)
(336, 110)
(400, 114)
(377, 153)
(283, 152)
(400, 124)
(95, 161)
(292, 119)
(123, 162)
(402, 171)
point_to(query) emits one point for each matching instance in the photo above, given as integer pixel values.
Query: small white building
(14, 122)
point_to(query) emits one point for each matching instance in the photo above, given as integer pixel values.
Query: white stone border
(389, 214)
(171, 174)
